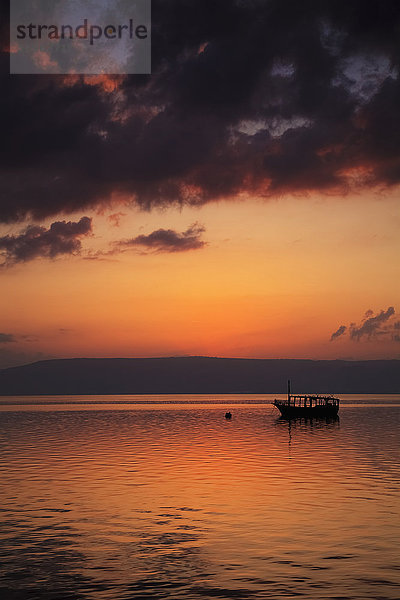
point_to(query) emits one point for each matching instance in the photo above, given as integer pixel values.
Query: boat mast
(288, 391)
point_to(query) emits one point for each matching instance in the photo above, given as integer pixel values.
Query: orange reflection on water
(172, 498)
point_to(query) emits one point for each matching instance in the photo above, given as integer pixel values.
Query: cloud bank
(245, 98)
(372, 326)
(35, 241)
(166, 240)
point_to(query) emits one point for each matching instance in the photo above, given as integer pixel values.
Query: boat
(307, 406)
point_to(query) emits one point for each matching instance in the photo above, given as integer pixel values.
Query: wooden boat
(307, 406)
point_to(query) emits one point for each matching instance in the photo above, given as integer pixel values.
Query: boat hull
(292, 412)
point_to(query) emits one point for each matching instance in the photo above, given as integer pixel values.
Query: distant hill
(199, 375)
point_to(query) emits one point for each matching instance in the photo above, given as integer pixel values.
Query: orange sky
(309, 120)
(275, 279)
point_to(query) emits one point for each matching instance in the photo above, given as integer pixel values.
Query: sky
(242, 200)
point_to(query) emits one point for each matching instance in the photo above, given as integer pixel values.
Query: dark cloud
(166, 240)
(342, 329)
(6, 338)
(61, 238)
(372, 326)
(10, 337)
(258, 97)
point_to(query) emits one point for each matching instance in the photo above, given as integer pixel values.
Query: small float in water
(307, 406)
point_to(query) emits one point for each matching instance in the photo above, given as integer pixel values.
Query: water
(161, 497)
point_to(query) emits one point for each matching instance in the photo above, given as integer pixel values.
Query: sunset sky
(243, 200)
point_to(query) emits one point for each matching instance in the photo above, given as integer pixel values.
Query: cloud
(342, 329)
(321, 97)
(166, 240)
(35, 241)
(372, 326)
(43, 60)
(6, 338)
(115, 218)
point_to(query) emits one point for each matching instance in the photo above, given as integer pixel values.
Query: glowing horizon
(207, 301)
(240, 200)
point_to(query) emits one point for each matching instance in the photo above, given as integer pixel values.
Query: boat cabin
(308, 405)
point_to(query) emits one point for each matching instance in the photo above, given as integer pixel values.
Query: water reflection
(311, 425)
(178, 502)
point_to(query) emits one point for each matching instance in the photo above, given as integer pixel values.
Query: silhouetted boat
(307, 406)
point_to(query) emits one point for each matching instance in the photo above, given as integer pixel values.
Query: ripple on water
(175, 502)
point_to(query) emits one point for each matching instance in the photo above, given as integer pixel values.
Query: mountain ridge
(199, 375)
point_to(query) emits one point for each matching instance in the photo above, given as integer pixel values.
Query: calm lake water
(161, 497)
